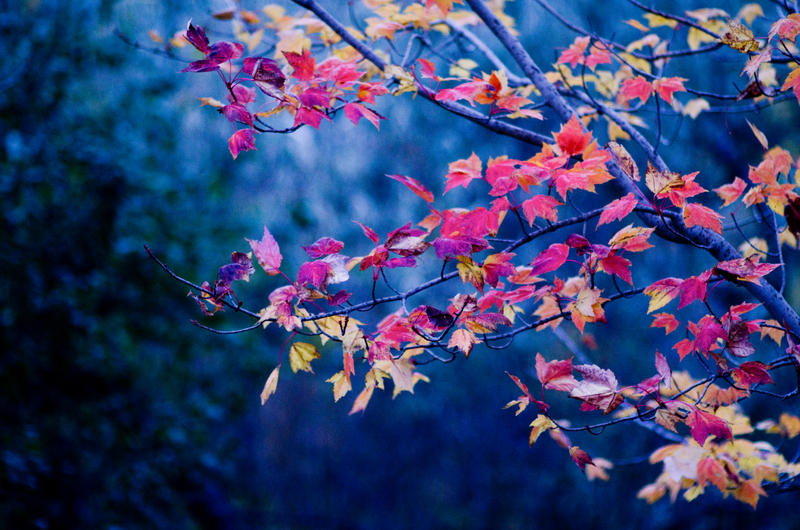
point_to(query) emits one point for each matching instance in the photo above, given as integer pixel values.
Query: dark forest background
(116, 412)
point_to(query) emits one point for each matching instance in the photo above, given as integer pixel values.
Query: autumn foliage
(594, 116)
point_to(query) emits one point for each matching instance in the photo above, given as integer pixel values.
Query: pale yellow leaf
(271, 385)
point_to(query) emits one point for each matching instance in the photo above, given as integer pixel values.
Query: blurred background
(117, 412)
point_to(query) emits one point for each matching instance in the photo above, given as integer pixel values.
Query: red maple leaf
(616, 210)
(356, 111)
(543, 206)
(572, 139)
(550, 259)
(302, 63)
(746, 269)
(705, 424)
(751, 373)
(666, 86)
(638, 87)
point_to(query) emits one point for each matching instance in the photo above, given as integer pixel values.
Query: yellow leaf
(694, 107)
(541, 424)
(341, 384)
(155, 36)
(762, 139)
(271, 385)
(462, 68)
(211, 102)
(772, 329)
(693, 492)
(300, 356)
(656, 20)
(740, 38)
(749, 12)
(790, 425)
(636, 24)
(615, 132)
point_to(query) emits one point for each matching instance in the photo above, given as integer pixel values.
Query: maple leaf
(266, 74)
(415, 186)
(464, 340)
(710, 470)
(740, 38)
(580, 457)
(638, 87)
(314, 273)
(597, 389)
(793, 81)
(541, 424)
(666, 86)
(241, 140)
(300, 356)
(369, 232)
(749, 492)
(550, 259)
(698, 215)
(271, 385)
(543, 206)
(309, 116)
(751, 373)
(240, 268)
(786, 28)
(693, 288)
(571, 138)
(574, 54)
(666, 321)
(663, 369)
(362, 400)
(496, 266)
(462, 172)
(745, 269)
(613, 264)
(303, 64)
(196, 36)
(341, 384)
(237, 112)
(356, 111)
(556, 375)
(624, 160)
(660, 181)
(730, 192)
(662, 292)
(738, 339)
(323, 247)
(631, 238)
(617, 209)
(267, 253)
(705, 424)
